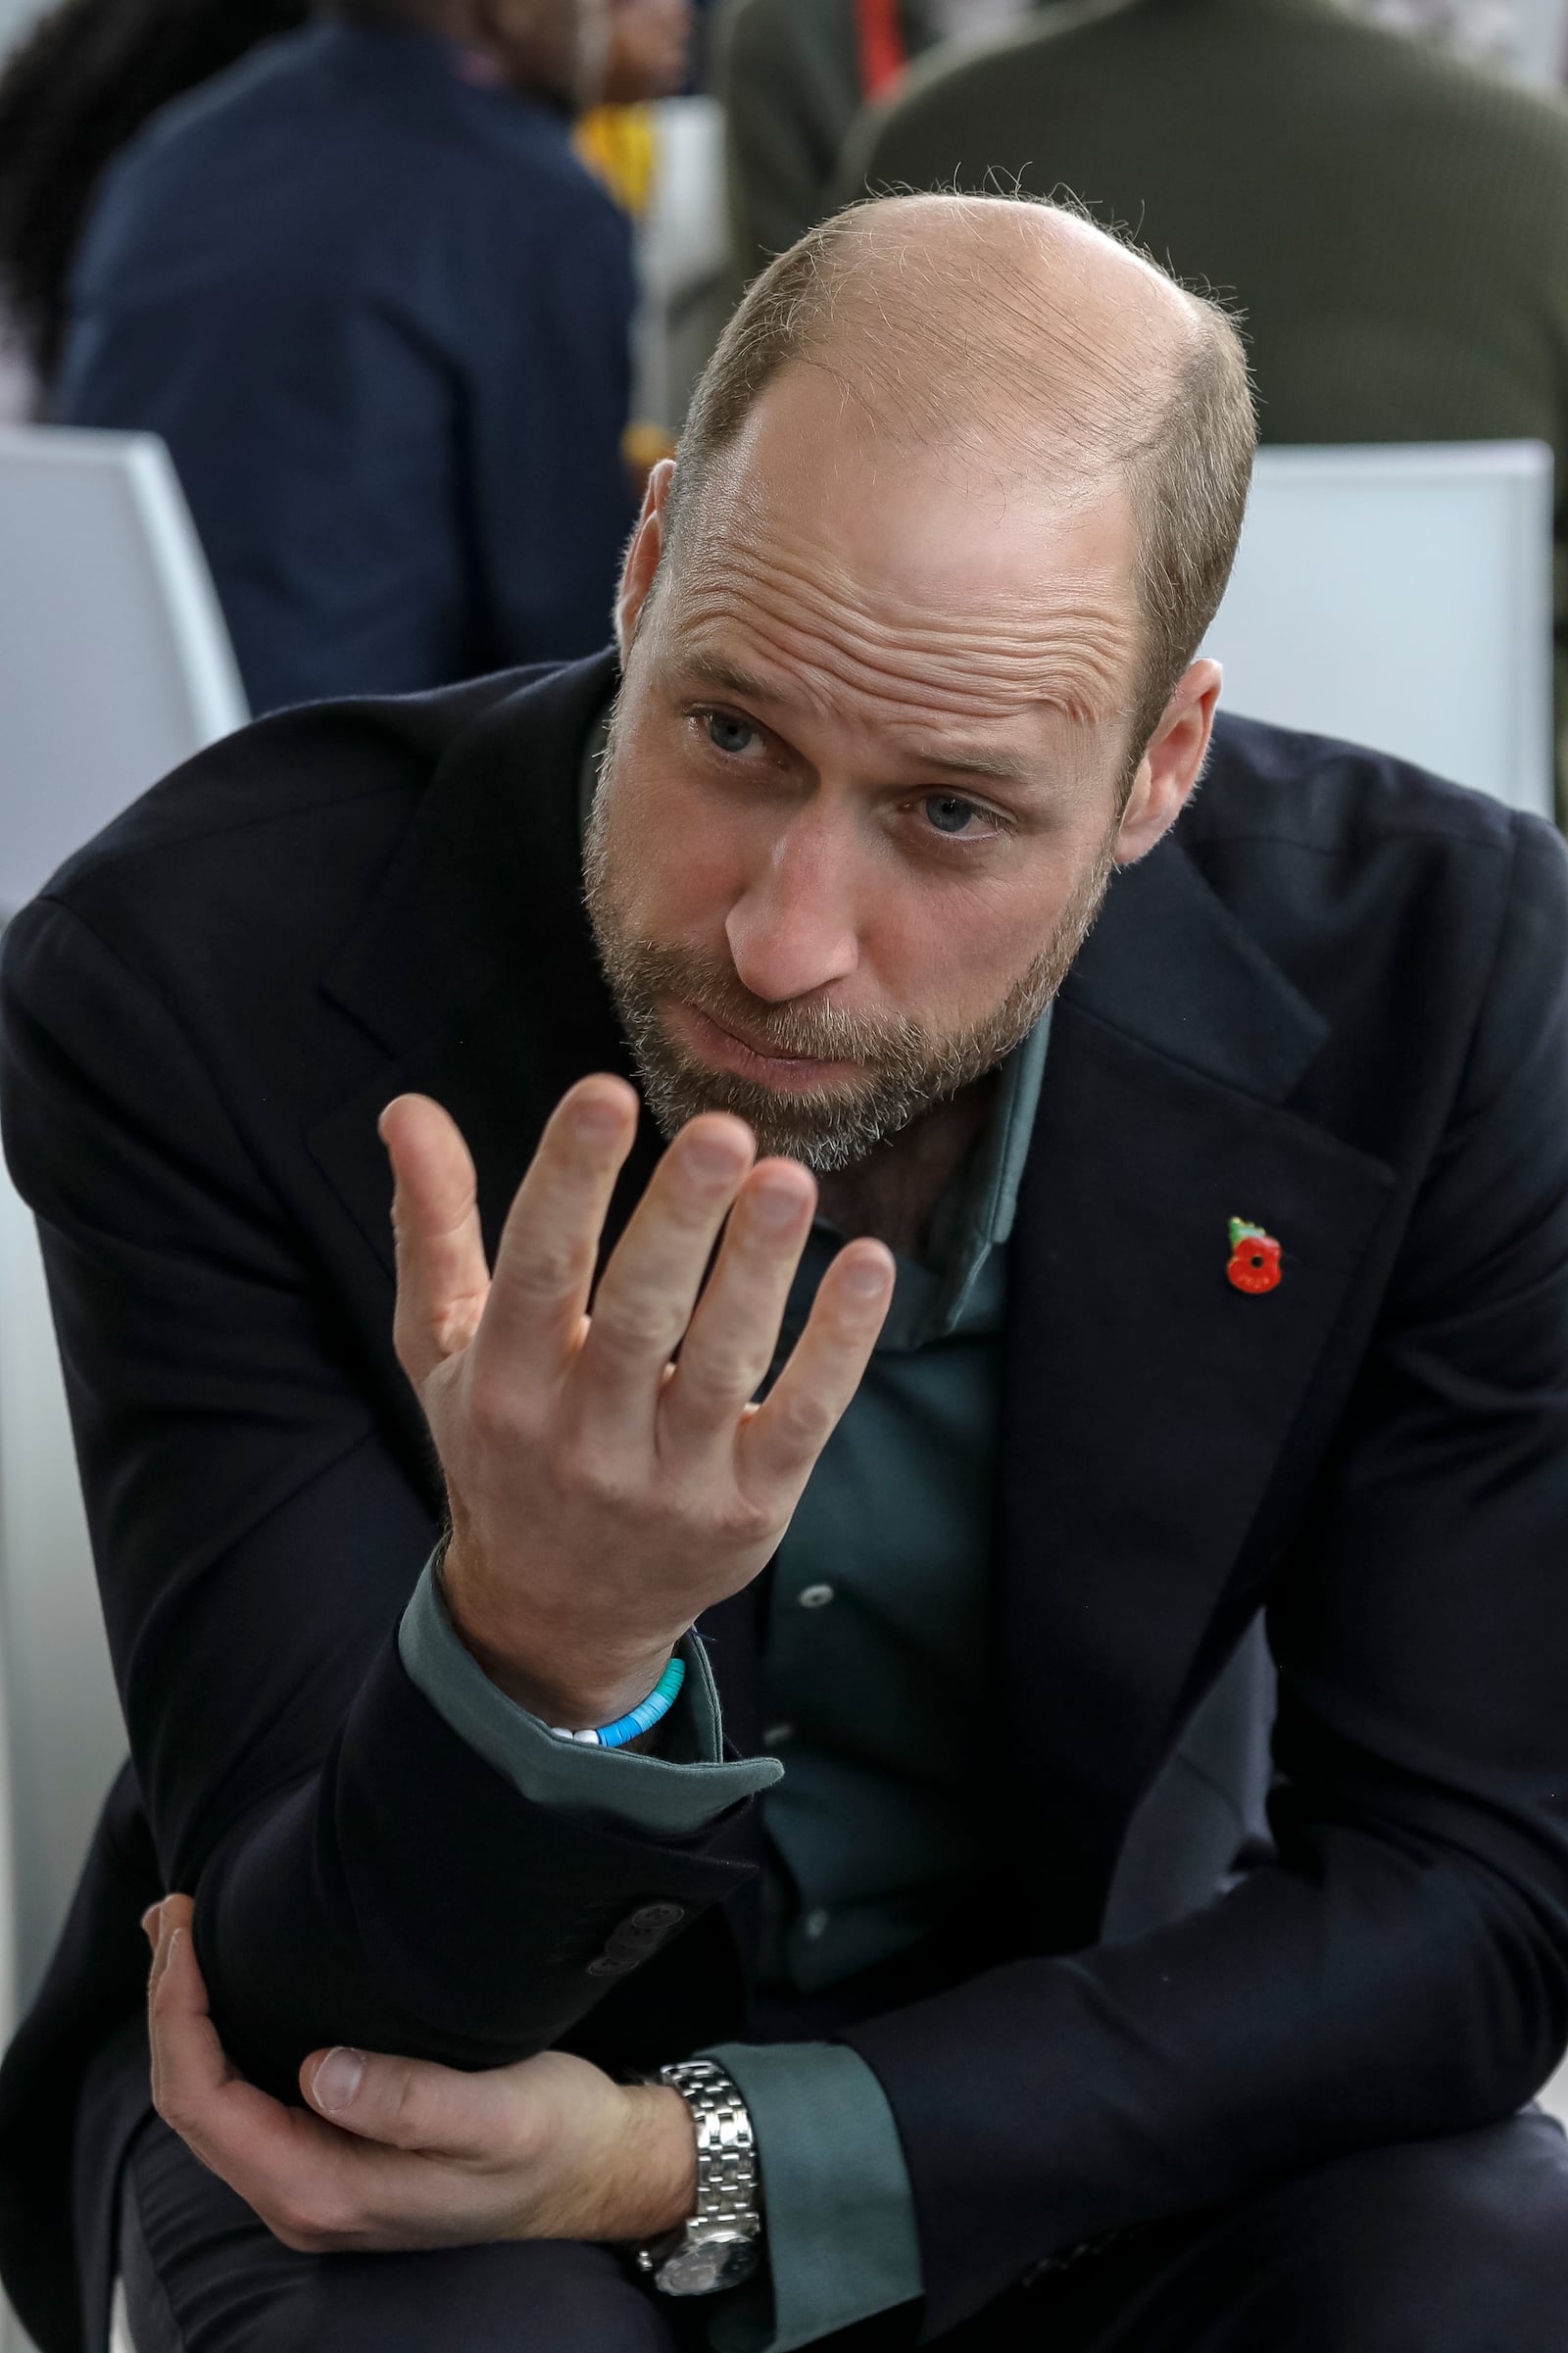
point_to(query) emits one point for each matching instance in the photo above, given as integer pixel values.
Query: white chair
(62, 1738)
(682, 250)
(115, 662)
(115, 666)
(1402, 597)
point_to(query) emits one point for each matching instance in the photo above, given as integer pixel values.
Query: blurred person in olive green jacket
(1393, 221)
(793, 74)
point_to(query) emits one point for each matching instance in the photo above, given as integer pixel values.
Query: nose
(790, 932)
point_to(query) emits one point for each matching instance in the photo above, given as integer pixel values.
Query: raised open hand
(602, 1493)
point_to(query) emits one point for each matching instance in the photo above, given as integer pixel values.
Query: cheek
(676, 864)
(948, 956)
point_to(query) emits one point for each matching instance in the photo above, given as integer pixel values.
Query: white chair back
(682, 248)
(64, 1739)
(114, 662)
(1402, 597)
(61, 1735)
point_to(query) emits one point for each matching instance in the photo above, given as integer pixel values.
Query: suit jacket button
(658, 1916)
(609, 1964)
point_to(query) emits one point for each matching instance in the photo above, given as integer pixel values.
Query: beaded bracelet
(658, 1704)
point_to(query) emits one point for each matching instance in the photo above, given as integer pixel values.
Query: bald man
(908, 1230)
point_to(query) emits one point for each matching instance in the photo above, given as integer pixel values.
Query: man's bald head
(1016, 339)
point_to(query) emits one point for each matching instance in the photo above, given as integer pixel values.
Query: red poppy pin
(1255, 1257)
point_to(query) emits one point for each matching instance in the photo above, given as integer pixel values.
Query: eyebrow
(1001, 766)
(729, 678)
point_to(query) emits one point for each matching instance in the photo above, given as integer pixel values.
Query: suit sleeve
(361, 1873)
(1400, 1970)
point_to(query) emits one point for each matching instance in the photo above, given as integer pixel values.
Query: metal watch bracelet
(722, 2243)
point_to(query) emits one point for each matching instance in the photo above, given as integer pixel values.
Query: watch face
(710, 2264)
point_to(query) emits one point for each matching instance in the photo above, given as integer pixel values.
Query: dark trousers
(1455, 2246)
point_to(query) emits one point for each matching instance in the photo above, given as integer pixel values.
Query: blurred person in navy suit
(379, 311)
(73, 91)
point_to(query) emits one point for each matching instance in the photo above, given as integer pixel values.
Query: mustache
(819, 1033)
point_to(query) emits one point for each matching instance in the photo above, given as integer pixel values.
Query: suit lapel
(473, 966)
(472, 970)
(1147, 1400)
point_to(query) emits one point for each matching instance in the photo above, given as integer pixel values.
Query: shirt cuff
(669, 1796)
(841, 2235)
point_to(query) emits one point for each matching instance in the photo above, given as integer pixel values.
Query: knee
(1458, 2246)
(544, 2297)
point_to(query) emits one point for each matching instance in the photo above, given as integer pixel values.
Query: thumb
(412, 2105)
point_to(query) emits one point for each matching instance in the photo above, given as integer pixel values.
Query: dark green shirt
(875, 1678)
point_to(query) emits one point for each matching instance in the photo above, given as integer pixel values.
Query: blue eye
(728, 734)
(949, 813)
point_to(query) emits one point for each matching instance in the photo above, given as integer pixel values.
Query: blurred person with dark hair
(1393, 221)
(73, 91)
(379, 311)
(793, 75)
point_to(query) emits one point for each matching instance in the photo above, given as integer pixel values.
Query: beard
(903, 1067)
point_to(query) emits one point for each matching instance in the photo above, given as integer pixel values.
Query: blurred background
(335, 346)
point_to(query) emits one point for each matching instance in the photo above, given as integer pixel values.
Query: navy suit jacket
(380, 314)
(1334, 1002)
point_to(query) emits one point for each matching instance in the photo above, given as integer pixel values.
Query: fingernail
(598, 1119)
(712, 1155)
(865, 1277)
(338, 2080)
(776, 1204)
(152, 1921)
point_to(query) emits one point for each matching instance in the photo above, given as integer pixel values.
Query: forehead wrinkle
(814, 664)
(1075, 660)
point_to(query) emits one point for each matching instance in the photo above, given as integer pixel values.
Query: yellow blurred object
(621, 146)
(642, 445)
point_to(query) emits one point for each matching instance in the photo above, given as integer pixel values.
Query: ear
(1171, 766)
(643, 556)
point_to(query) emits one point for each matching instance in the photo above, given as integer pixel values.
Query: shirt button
(778, 1736)
(657, 1915)
(815, 1596)
(817, 1923)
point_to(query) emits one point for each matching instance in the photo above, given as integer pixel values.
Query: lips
(715, 1041)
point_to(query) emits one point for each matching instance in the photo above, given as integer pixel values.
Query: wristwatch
(722, 2243)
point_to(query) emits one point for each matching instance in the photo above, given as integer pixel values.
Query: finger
(545, 1265)
(734, 1333)
(196, 2091)
(649, 1290)
(160, 1922)
(315, 2188)
(412, 2104)
(778, 1445)
(442, 1276)
(288, 2168)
